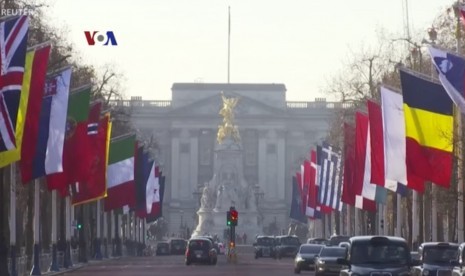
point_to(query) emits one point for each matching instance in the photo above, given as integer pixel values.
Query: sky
(300, 43)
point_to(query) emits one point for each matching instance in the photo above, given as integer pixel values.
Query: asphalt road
(174, 265)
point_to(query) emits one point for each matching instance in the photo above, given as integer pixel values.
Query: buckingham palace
(276, 136)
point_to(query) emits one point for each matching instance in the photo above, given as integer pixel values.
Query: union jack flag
(13, 44)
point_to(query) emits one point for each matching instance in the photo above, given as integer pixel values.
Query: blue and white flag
(330, 179)
(451, 72)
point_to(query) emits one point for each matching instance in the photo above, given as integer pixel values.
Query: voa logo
(100, 38)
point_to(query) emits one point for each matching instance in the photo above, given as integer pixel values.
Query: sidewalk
(79, 266)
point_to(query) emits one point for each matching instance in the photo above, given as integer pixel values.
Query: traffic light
(234, 217)
(228, 218)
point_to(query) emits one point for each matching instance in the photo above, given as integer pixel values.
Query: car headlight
(321, 262)
(425, 272)
(299, 259)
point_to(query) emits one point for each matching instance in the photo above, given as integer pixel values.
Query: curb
(79, 266)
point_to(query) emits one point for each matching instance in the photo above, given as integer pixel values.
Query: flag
(330, 180)
(451, 73)
(312, 209)
(322, 180)
(348, 192)
(157, 207)
(13, 39)
(120, 173)
(42, 154)
(296, 204)
(394, 143)
(362, 190)
(304, 172)
(429, 129)
(95, 187)
(141, 178)
(35, 70)
(76, 158)
(377, 143)
(371, 191)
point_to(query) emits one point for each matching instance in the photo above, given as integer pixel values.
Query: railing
(318, 104)
(140, 103)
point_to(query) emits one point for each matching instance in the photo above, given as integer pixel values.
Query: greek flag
(330, 178)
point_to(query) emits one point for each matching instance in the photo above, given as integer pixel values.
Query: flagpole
(458, 119)
(229, 40)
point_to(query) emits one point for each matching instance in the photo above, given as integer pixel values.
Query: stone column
(262, 140)
(175, 188)
(194, 160)
(281, 151)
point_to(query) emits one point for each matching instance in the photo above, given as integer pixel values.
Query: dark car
(317, 241)
(437, 258)
(305, 258)
(326, 262)
(287, 246)
(163, 248)
(335, 240)
(377, 255)
(214, 242)
(459, 268)
(200, 250)
(264, 247)
(177, 246)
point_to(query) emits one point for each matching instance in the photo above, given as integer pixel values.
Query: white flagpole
(399, 216)
(36, 266)
(105, 234)
(415, 220)
(229, 41)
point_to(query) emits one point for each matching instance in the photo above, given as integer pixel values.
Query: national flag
(35, 70)
(120, 173)
(43, 154)
(312, 210)
(13, 40)
(322, 179)
(304, 171)
(348, 192)
(95, 187)
(451, 73)
(393, 140)
(150, 176)
(429, 129)
(360, 174)
(330, 180)
(141, 177)
(76, 157)
(296, 204)
(157, 207)
(371, 191)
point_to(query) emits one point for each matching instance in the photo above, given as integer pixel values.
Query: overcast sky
(300, 43)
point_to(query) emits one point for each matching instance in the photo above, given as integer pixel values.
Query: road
(174, 265)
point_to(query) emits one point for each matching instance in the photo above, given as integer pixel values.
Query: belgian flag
(428, 113)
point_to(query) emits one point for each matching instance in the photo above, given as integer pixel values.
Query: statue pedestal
(213, 223)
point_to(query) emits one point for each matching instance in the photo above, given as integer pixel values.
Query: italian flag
(120, 173)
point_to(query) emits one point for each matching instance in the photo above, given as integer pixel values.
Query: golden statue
(228, 128)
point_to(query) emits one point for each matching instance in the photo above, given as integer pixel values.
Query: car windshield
(336, 240)
(310, 249)
(442, 254)
(318, 241)
(265, 241)
(339, 252)
(368, 252)
(162, 245)
(178, 242)
(290, 241)
(199, 244)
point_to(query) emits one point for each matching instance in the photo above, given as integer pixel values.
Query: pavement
(80, 265)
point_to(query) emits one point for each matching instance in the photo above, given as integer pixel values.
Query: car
(215, 243)
(317, 241)
(163, 248)
(335, 240)
(264, 246)
(200, 250)
(377, 255)
(287, 246)
(221, 248)
(459, 269)
(305, 257)
(326, 262)
(437, 258)
(346, 245)
(177, 246)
